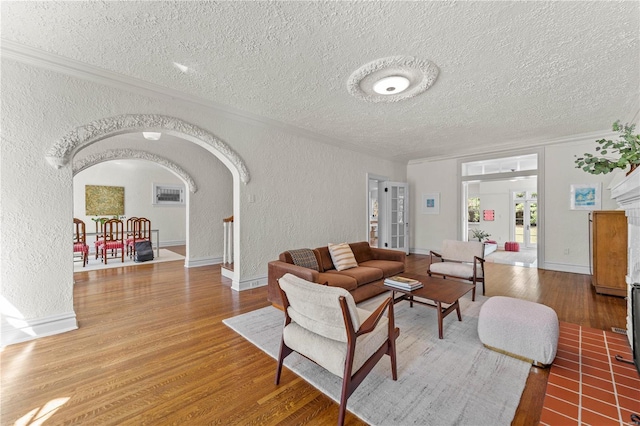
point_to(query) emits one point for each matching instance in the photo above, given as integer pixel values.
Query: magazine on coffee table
(403, 283)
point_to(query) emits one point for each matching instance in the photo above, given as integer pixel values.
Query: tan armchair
(460, 259)
(323, 324)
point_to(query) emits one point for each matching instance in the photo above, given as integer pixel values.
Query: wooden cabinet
(609, 251)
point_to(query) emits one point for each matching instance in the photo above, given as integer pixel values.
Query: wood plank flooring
(151, 349)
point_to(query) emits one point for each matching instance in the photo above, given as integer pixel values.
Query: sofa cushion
(305, 258)
(338, 280)
(342, 256)
(389, 267)
(324, 259)
(361, 251)
(454, 269)
(362, 274)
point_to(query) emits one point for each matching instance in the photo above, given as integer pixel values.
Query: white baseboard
(173, 243)
(565, 267)
(249, 284)
(203, 261)
(227, 273)
(420, 251)
(16, 330)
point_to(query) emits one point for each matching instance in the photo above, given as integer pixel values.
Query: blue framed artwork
(431, 203)
(586, 197)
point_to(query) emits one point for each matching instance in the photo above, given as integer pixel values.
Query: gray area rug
(523, 257)
(454, 381)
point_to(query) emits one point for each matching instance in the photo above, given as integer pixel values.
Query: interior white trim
(508, 148)
(203, 261)
(23, 330)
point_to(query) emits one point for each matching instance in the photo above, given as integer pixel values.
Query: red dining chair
(80, 240)
(141, 232)
(113, 239)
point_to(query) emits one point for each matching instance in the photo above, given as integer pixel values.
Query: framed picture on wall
(431, 203)
(586, 196)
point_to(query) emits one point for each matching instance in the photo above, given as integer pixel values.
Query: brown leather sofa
(374, 265)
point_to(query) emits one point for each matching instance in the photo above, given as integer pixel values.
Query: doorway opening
(387, 213)
(501, 203)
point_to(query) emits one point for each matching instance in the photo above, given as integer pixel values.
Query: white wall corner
(249, 284)
(19, 330)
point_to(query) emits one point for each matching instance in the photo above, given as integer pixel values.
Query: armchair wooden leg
(284, 352)
(342, 410)
(392, 355)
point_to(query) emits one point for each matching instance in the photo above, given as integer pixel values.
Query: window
(473, 209)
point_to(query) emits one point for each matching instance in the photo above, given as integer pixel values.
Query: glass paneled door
(526, 218)
(397, 231)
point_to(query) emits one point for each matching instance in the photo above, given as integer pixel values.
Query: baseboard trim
(203, 261)
(17, 330)
(173, 243)
(227, 273)
(249, 284)
(566, 267)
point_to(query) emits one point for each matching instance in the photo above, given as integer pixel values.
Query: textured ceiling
(510, 73)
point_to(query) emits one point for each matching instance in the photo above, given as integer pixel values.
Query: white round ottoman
(519, 328)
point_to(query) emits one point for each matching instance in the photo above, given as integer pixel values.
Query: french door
(395, 231)
(525, 219)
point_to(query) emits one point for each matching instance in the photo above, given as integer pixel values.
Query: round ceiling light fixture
(392, 79)
(391, 85)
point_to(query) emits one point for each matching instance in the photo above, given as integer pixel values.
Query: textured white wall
(137, 177)
(303, 193)
(428, 230)
(563, 228)
(566, 228)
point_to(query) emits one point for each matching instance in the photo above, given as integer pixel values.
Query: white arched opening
(63, 151)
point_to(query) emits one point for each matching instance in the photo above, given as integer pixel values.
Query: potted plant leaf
(480, 234)
(615, 154)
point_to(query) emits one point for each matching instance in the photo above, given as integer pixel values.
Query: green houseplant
(480, 234)
(623, 152)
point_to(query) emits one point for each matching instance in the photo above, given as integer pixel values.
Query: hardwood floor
(151, 349)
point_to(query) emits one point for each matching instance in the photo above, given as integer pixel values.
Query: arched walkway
(63, 150)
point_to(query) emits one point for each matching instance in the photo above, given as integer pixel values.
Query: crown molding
(519, 145)
(39, 58)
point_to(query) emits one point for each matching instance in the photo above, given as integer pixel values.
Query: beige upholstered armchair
(323, 324)
(460, 259)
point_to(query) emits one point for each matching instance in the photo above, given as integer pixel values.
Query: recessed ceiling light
(152, 136)
(391, 85)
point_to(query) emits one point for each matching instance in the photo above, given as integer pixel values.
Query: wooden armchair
(460, 259)
(323, 324)
(80, 241)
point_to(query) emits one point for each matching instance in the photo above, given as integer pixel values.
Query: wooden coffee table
(437, 289)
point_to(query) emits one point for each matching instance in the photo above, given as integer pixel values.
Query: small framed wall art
(586, 196)
(431, 203)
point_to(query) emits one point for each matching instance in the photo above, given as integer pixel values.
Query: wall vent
(168, 195)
